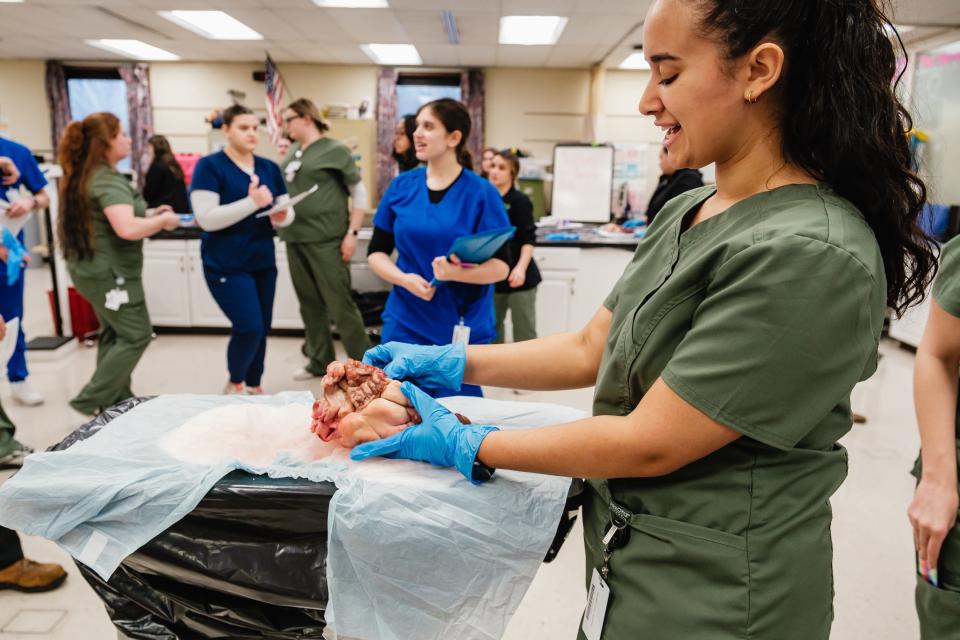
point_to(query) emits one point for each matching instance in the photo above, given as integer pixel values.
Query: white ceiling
(298, 31)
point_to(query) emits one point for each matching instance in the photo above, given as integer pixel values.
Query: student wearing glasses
(323, 239)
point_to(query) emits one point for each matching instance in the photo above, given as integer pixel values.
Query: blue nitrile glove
(434, 368)
(17, 254)
(441, 439)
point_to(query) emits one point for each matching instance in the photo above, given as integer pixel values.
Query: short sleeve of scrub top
(946, 288)
(767, 340)
(30, 174)
(111, 188)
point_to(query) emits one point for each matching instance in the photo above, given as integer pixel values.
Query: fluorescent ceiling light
(531, 30)
(133, 49)
(352, 4)
(216, 25)
(635, 61)
(392, 53)
(11, 1)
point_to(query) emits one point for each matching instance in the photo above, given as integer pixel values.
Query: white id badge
(596, 611)
(115, 299)
(461, 333)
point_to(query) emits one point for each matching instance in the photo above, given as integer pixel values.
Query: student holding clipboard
(239, 262)
(423, 212)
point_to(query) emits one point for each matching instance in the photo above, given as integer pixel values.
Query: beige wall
(24, 116)
(184, 93)
(530, 108)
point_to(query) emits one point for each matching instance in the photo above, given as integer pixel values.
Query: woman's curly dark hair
(841, 119)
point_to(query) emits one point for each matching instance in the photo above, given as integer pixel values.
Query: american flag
(274, 82)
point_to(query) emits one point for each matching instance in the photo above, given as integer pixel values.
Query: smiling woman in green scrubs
(725, 356)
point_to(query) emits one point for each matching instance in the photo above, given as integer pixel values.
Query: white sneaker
(25, 394)
(254, 391)
(231, 389)
(303, 374)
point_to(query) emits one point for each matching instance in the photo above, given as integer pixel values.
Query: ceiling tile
(369, 25)
(423, 27)
(477, 55)
(514, 55)
(475, 6)
(596, 29)
(439, 55)
(538, 7)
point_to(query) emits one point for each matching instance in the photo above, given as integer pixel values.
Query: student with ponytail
(101, 228)
(723, 360)
(421, 214)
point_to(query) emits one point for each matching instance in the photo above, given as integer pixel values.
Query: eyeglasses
(291, 118)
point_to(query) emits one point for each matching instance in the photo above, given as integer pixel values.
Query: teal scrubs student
(424, 229)
(421, 215)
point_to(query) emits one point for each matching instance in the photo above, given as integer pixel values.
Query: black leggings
(10, 550)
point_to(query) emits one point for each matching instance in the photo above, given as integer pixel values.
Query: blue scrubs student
(421, 214)
(237, 248)
(11, 296)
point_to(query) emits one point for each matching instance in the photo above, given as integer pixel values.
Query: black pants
(10, 550)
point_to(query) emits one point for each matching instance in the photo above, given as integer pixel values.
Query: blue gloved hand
(432, 368)
(17, 253)
(441, 439)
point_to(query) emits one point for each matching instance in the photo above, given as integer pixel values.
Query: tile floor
(872, 539)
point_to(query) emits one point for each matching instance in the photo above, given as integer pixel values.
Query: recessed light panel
(215, 25)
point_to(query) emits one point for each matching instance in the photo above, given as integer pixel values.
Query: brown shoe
(32, 577)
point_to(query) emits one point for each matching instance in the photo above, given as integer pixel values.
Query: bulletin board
(582, 182)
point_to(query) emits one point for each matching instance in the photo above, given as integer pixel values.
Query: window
(415, 90)
(95, 90)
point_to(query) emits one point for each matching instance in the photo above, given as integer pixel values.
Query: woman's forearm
(492, 271)
(560, 361)
(213, 216)
(526, 255)
(384, 267)
(935, 391)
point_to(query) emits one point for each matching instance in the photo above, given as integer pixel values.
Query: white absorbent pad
(413, 551)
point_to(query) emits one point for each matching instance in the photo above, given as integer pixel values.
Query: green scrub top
(111, 253)
(323, 216)
(763, 317)
(946, 293)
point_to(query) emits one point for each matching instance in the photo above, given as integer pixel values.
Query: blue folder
(479, 247)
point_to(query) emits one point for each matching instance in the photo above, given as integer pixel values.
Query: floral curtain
(140, 112)
(474, 94)
(58, 101)
(386, 122)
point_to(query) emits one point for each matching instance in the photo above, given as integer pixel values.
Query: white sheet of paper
(277, 208)
(14, 225)
(9, 343)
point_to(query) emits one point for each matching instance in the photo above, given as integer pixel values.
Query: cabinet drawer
(557, 258)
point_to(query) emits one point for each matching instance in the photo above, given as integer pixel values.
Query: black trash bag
(248, 562)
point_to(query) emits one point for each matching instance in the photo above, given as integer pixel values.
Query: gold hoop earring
(749, 98)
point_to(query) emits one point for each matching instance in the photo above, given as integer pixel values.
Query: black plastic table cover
(248, 562)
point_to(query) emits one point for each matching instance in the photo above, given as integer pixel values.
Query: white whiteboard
(582, 182)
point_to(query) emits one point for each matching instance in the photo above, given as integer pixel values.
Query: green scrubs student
(724, 358)
(933, 512)
(323, 237)
(100, 229)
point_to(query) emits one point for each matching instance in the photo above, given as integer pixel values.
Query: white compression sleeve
(212, 216)
(358, 196)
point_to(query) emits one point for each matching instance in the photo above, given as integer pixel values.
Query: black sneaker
(14, 459)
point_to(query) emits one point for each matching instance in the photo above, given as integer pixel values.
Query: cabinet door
(554, 300)
(204, 311)
(909, 328)
(165, 282)
(286, 307)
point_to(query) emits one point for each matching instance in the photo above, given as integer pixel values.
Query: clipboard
(297, 199)
(479, 247)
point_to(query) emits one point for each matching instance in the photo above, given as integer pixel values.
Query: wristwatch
(354, 232)
(481, 472)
